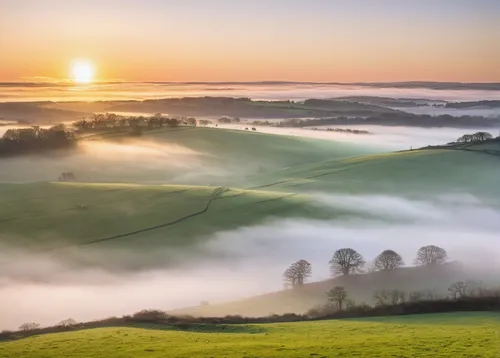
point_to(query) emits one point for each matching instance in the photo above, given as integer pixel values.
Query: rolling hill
(44, 216)
(442, 335)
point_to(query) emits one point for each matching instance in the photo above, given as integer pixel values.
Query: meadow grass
(440, 335)
(44, 216)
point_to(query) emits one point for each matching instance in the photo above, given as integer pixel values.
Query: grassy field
(410, 172)
(44, 216)
(464, 335)
(50, 216)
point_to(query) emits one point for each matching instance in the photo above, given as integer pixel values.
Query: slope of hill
(186, 155)
(159, 221)
(443, 335)
(361, 288)
(409, 172)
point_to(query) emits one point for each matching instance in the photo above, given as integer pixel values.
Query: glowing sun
(82, 71)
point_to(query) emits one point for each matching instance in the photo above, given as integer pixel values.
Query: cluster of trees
(338, 297)
(348, 261)
(229, 120)
(476, 137)
(112, 120)
(348, 130)
(35, 139)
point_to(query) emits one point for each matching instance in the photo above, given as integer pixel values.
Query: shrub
(150, 316)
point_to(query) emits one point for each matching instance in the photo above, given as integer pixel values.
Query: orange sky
(219, 40)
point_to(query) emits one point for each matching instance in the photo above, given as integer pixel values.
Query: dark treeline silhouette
(476, 137)
(472, 104)
(105, 121)
(38, 140)
(35, 140)
(397, 119)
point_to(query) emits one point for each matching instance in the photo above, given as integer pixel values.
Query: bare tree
(458, 289)
(431, 255)
(388, 260)
(338, 295)
(70, 322)
(297, 273)
(346, 261)
(467, 288)
(386, 297)
(30, 326)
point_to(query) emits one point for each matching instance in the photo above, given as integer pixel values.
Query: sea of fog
(266, 91)
(249, 260)
(381, 138)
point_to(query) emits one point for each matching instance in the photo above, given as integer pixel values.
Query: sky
(252, 40)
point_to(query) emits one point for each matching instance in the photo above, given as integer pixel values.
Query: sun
(82, 71)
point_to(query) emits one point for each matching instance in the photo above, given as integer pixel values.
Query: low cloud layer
(250, 260)
(381, 138)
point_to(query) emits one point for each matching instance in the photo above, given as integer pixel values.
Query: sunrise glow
(82, 71)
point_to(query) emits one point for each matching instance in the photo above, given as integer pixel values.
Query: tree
(465, 289)
(346, 261)
(480, 136)
(386, 297)
(297, 273)
(338, 295)
(458, 289)
(225, 120)
(388, 260)
(70, 322)
(204, 122)
(27, 327)
(431, 255)
(191, 121)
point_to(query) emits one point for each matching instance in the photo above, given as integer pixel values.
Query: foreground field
(445, 335)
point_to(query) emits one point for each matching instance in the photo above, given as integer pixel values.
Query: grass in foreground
(440, 335)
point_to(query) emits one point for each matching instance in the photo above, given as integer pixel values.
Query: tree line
(347, 261)
(37, 139)
(34, 139)
(112, 120)
(476, 137)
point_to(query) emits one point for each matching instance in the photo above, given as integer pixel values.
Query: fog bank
(250, 260)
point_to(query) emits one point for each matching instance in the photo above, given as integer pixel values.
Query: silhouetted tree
(480, 136)
(388, 260)
(191, 121)
(70, 322)
(297, 273)
(27, 327)
(431, 255)
(346, 261)
(225, 120)
(204, 122)
(338, 295)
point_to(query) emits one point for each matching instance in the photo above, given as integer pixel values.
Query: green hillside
(361, 289)
(410, 172)
(47, 216)
(43, 217)
(445, 335)
(194, 156)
